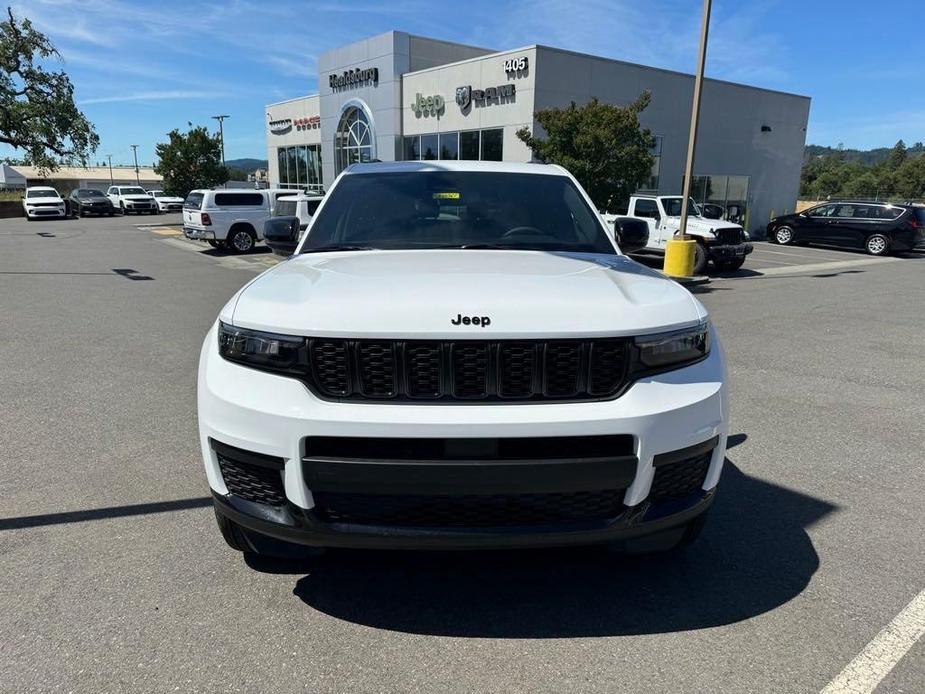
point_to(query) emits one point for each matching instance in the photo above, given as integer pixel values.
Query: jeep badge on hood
(460, 319)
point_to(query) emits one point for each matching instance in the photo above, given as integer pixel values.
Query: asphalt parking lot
(115, 578)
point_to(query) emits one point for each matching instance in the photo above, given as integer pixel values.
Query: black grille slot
(251, 476)
(563, 369)
(377, 369)
(516, 370)
(677, 480)
(329, 359)
(526, 370)
(469, 511)
(608, 366)
(729, 236)
(424, 366)
(470, 370)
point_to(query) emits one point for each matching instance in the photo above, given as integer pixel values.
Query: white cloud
(154, 95)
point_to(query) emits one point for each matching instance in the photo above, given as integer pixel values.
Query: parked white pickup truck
(724, 243)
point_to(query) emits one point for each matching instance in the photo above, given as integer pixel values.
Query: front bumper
(198, 234)
(274, 416)
(46, 211)
(730, 251)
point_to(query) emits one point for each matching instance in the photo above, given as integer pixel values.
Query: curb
(694, 281)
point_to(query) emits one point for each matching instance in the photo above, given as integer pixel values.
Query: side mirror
(282, 234)
(631, 234)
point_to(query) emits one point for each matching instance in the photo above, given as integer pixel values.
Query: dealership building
(397, 96)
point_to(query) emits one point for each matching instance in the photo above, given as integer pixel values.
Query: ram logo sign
(465, 96)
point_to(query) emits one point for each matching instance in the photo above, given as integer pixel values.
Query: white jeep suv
(131, 199)
(458, 355)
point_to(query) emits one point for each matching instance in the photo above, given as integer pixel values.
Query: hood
(169, 198)
(702, 225)
(420, 294)
(137, 198)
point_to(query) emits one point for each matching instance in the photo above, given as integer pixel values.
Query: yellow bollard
(679, 258)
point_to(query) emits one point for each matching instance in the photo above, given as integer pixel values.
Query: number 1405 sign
(515, 64)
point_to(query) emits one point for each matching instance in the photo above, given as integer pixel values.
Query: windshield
(133, 191)
(673, 207)
(285, 208)
(48, 193)
(157, 193)
(90, 194)
(458, 209)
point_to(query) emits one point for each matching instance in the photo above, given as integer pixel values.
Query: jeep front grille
(467, 370)
(729, 237)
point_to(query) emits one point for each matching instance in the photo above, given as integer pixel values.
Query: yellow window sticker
(450, 195)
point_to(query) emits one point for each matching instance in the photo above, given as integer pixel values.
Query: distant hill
(868, 157)
(248, 165)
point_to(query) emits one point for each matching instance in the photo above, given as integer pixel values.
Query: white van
(232, 218)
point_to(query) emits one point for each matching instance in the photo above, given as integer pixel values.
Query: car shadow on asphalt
(754, 556)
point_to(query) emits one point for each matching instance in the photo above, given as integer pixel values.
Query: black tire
(783, 236)
(700, 260)
(110, 213)
(122, 209)
(214, 243)
(232, 533)
(878, 244)
(241, 239)
(729, 265)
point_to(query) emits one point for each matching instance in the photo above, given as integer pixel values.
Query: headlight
(266, 351)
(673, 350)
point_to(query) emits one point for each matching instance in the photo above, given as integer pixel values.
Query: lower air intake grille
(468, 511)
(677, 480)
(261, 483)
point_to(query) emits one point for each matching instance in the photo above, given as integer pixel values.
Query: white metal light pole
(695, 117)
(135, 155)
(111, 181)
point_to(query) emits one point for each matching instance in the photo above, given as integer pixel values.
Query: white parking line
(814, 253)
(867, 670)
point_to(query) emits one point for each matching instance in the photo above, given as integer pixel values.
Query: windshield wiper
(338, 247)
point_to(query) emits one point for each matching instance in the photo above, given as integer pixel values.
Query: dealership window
(651, 184)
(449, 145)
(353, 141)
(728, 196)
(300, 167)
(429, 147)
(493, 145)
(412, 148)
(469, 145)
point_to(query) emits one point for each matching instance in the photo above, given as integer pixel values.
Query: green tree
(898, 155)
(602, 145)
(910, 179)
(190, 160)
(37, 111)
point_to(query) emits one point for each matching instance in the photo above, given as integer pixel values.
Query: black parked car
(83, 201)
(878, 227)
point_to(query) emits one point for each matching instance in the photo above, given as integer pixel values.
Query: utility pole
(111, 181)
(695, 117)
(221, 133)
(135, 154)
(680, 252)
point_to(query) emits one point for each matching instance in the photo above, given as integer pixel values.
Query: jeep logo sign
(460, 319)
(427, 106)
(355, 77)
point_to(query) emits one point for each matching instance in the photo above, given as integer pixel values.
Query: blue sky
(141, 69)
